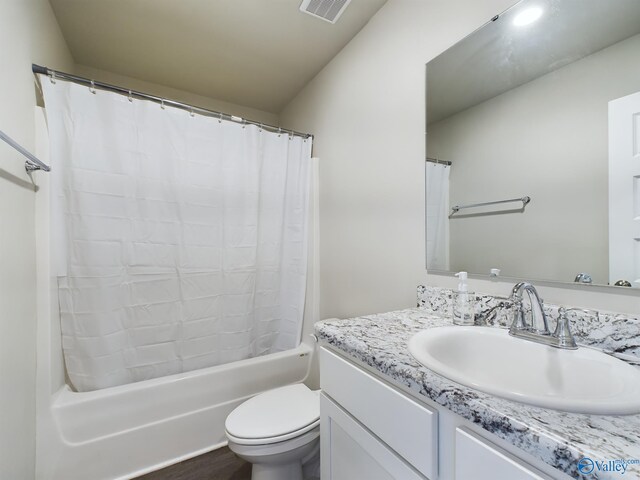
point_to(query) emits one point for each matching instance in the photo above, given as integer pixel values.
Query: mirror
(536, 117)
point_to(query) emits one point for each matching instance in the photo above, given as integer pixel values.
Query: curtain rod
(55, 74)
(441, 162)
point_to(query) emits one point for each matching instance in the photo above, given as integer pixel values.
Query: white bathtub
(126, 431)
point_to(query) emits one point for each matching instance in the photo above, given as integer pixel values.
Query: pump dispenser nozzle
(462, 286)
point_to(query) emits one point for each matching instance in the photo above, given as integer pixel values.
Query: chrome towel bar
(524, 201)
(32, 162)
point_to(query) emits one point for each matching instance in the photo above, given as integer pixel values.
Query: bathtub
(126, 431)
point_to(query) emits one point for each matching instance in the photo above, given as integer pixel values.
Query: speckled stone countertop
(557, 438)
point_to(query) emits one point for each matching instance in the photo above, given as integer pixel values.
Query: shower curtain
(437, 179)
(180, 240)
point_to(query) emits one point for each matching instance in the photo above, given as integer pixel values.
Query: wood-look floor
(221, 464)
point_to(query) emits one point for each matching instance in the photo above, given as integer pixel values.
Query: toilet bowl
(277, 431)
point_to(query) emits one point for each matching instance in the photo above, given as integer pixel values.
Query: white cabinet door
(410, 429)
(624, 189)
(350, 452)
(478, 459)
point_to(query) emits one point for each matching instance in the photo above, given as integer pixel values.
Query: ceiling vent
(328, 10)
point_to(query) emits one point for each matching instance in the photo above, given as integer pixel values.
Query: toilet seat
(274, 416)
(270, 446)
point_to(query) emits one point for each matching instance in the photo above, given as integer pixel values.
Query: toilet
(277, 431)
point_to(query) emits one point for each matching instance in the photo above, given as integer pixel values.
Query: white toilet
(277, 431)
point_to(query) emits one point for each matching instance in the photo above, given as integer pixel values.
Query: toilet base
(277, 472)
(279, 461)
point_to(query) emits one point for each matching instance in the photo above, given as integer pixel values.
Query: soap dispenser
(463, 304)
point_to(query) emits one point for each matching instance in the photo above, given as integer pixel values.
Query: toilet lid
(275, 413)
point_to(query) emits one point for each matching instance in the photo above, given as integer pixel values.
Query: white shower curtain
(437, 176)
(180, 240)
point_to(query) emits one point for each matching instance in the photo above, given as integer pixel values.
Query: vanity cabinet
(407, 427)
(478, 459)
(372, 430)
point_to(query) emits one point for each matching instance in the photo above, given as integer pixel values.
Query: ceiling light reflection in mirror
(527, 16)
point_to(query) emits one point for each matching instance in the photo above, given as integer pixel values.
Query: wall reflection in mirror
(542, 102)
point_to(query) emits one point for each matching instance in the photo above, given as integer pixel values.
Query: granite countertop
(557, 438)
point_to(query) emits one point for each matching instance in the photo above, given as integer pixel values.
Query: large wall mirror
(533, 145)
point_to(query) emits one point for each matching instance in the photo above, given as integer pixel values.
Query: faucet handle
(563, 333)
(518, 322)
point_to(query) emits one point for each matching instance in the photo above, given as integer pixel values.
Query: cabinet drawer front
(478, 459)
(409, 428)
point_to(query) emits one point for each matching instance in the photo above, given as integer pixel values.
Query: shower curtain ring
(52, 77)
(162, 103)
(291, 135)
(130, 97)
(191, 112)
(260, 128)
(220, 118)
(279, 131)
(244, 123)
(92, 88)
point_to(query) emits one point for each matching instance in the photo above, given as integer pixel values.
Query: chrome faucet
(538, 324)
(537, 328)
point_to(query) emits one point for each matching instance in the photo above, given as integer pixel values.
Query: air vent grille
(329, 10)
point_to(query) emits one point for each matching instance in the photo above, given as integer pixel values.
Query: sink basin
(490, 360)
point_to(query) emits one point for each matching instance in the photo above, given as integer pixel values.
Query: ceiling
(256, 53)
(501, 56)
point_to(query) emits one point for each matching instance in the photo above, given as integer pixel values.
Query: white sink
(490, 360)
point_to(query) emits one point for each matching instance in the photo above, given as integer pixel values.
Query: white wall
(28, 34)
(367, 110)
(546, 139)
